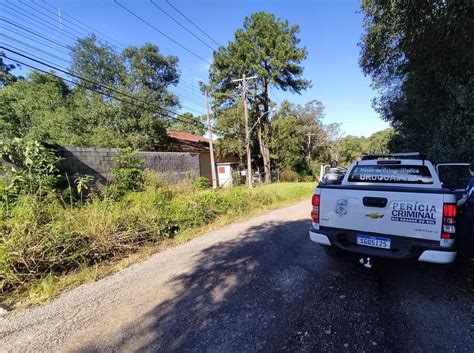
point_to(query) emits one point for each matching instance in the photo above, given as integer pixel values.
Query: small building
(229, 172)
(186, 142)
(227, 168)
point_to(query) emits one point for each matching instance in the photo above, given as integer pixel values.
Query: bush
(308, 178)
(36, 166)
(201, 183)
(289, 176)
(127, 174)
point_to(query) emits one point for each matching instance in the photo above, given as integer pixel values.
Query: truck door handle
(375, 201)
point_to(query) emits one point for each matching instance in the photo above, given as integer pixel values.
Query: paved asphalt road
(260, 285)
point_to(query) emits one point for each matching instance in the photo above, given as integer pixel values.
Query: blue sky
(330, 30)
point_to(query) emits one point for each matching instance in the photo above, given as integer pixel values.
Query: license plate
(375, 242)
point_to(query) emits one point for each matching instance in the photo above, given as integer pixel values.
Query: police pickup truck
(387, 205)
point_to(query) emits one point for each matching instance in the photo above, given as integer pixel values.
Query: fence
(98, 162)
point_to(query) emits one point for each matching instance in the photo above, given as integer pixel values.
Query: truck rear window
(400, 174)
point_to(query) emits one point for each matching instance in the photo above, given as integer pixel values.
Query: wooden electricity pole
(211, 144)
(246, 123)
(309, 145)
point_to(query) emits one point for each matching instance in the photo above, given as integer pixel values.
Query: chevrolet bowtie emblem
(374, 215)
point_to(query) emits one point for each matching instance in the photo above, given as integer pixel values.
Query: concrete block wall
(99, 163)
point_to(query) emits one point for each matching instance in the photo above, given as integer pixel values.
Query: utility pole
(309, 145)
(246, 123)
(211, 144)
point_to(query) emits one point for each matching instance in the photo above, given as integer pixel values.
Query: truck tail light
(449, 221)
(315, 201)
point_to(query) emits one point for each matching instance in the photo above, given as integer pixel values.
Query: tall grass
(41, 238)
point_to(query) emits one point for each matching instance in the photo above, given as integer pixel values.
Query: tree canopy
(350, 148)
(419, 55)
(131, 112)
(6, 76)
(189, 123)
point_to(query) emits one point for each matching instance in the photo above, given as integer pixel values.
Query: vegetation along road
(259, 285)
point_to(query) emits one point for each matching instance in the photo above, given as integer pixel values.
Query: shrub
(308, 178)
(289, 176)
(83, 183)
(201, 183)
(127, 174)
(36, 169)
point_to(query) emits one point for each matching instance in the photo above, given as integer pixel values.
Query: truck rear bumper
(438, 257)
(319, 238)
(402, 247)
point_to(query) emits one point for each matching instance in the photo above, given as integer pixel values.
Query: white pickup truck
(391, 206)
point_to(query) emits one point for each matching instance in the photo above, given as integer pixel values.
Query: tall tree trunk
(264, 134)
(264, 151)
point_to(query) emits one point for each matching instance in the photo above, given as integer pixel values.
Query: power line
(25, 36)
(191, 100)
(46, 16)
(274, 95)
(35, 33)
(55, 29)
(163, 34)
(65, 79)
(177, 117)
(81, 24)
(28, 30)
(195, 25)
(32, 47)
(182, 80)
(181, 25)
(67, 33)
(19, 11)
(69, 48)
(40, 13)
(75, 32)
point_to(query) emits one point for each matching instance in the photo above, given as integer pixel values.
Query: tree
(287, 144)
(149, 72)
(351, 148)
(35, 107)
(97, 63)
(140, 116)
(419, 55)
(45, 108)
(189, 123)
(232, 132)
(6, 76)
(379, 142)
(266, 47)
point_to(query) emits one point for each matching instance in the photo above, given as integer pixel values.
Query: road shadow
(272, 289)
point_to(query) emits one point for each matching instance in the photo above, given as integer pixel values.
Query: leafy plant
(35, 166)
(289, 176)
(83, 184)
(201, 183)
(127, 175)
